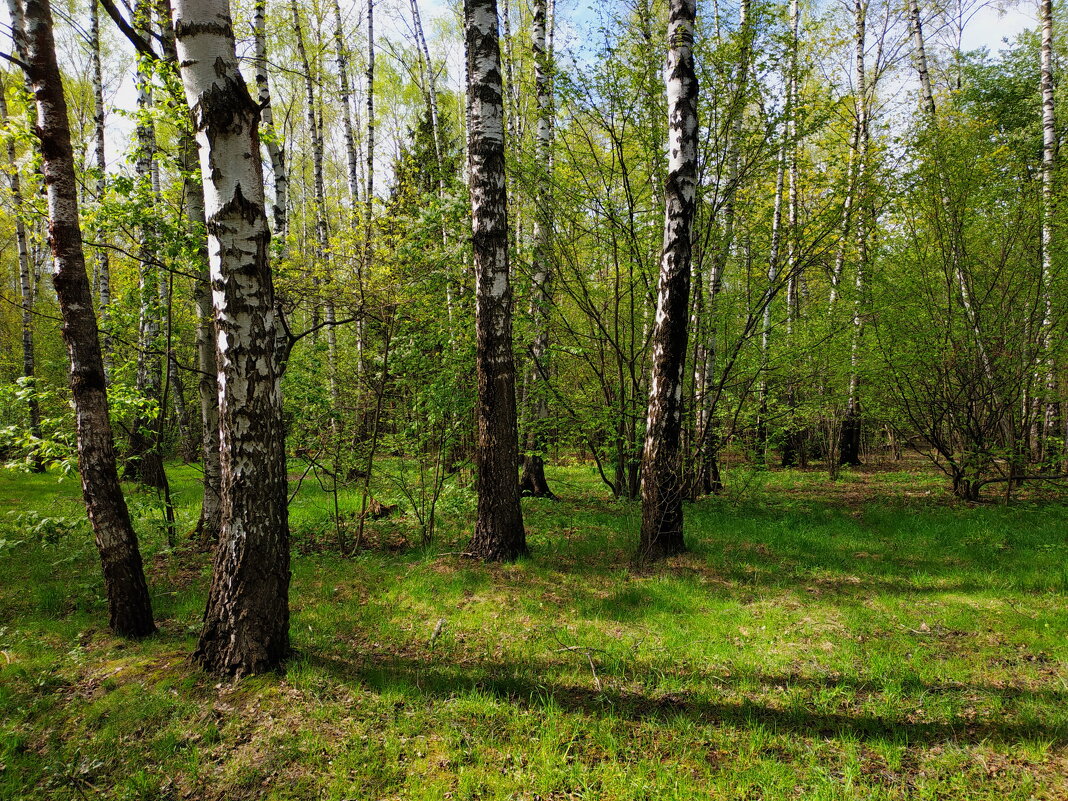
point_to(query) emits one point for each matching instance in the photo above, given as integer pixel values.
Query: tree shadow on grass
(534, 686)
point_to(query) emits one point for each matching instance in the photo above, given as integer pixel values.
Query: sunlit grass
(865, 638)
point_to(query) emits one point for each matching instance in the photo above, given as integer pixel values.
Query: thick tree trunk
(499, 533)
(532, 482)
(246, 623)
(662, 520)
(124, 579)
(26, 287)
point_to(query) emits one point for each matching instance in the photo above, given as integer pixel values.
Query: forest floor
(868, 638)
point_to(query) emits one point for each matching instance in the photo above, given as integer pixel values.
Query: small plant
(48, 530)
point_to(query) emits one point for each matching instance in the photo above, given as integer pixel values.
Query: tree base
(532, 483)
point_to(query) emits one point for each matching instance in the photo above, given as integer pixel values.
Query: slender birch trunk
(246, 623)
(499, 533)
(207, 530)
(708, 479)
(429, 88)
(532, 481)
(367, 260)
(1049, 165)
(145, 463)
(322, 243)
(351, 151)
(26, 287)
(849, 442)
(793, 441)
(769, 300)
(921, 57)
(103, 261)
(279, 207)
(124, 580)
(662, 519)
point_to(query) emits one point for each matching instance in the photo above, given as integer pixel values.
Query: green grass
(864, 639)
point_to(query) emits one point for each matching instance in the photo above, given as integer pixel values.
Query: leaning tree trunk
(246, 623)
(26, 288)
(661, 532)
(499, 533)
(124, 580)
(532, 481)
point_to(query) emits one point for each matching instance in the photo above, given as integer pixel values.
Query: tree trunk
(274, 151)
(246, 623)
(351, 150)
(322, 243)
(499, 533)
(145, 463)
(26, 284)
(1049, 165)
(103, 261)
(124, 579)
(207, 530)
(662, 519)
(849, 443)
(532, 482)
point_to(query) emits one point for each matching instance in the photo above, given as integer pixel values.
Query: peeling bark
(246, 623)
(662, 490)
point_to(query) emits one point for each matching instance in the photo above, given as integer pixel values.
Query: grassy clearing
(867, 639)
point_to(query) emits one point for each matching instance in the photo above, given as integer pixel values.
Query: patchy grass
(862, 639)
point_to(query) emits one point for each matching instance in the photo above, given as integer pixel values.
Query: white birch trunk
(662, 519)
(246, 624)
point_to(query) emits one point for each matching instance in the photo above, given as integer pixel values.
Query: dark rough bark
(246, 623)
(849, 444)
(124, 580)
(662, 490)
(499, 533)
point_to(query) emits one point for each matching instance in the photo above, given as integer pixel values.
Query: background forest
(873, 425)
(869, 269)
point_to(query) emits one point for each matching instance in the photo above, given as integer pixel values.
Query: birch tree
(26, 283)
(499, 533)
(662, 520)
(246, 623)
(129, 606)
(532, 482)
